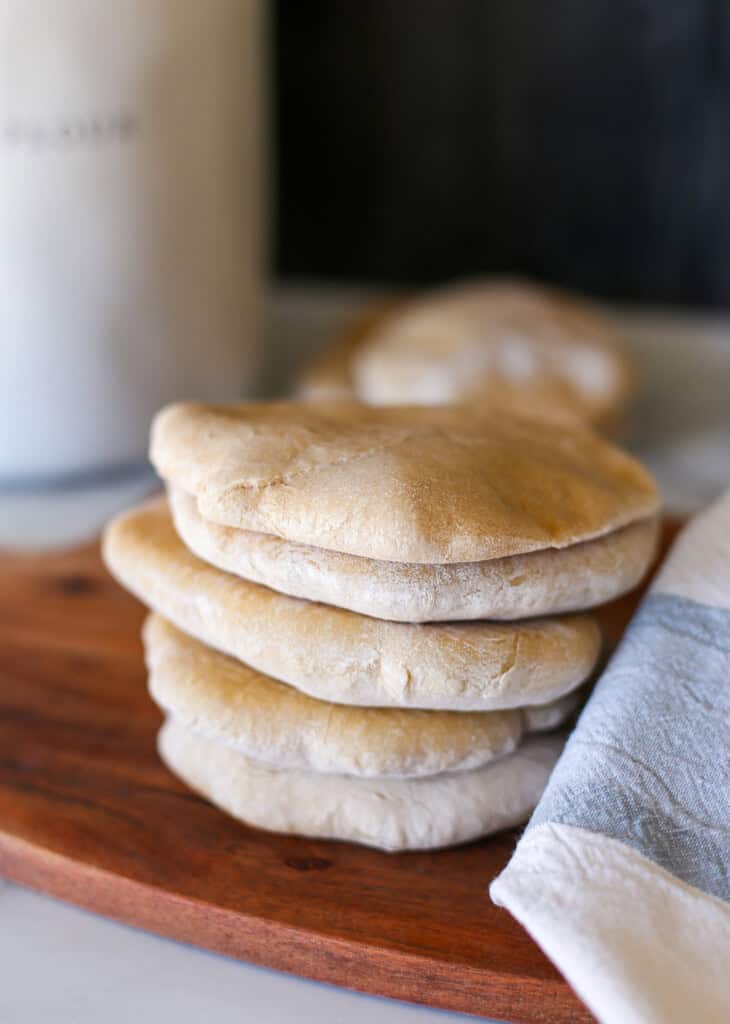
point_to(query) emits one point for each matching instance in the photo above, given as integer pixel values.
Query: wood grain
(89, 814)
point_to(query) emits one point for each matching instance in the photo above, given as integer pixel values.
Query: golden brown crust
(405, 484)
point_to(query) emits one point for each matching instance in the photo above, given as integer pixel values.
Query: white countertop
(63, 964)
(60, 964)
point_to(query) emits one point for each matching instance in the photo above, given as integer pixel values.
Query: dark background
(582, 141)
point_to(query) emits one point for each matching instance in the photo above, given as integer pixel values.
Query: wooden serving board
(89, 814)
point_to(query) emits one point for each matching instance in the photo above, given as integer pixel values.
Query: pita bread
(518, 586)
(222, 699)
(390, 814)
(404, 484)
(510, 342)
(336, 655)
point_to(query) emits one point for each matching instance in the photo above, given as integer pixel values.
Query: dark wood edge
(357, 966)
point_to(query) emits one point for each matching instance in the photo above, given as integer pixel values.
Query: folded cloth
(623, 873)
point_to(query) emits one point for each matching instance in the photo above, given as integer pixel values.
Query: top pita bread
(406, 484)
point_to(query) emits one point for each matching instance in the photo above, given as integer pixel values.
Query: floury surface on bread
(337, 655)
(222, 699)
(492, 340)
(524, 345)
(389, 814)
(405, 484)
(546, 582)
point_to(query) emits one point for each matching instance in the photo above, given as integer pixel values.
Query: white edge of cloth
(638, 945)
(698, 566)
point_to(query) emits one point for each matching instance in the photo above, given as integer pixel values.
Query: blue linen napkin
(623, 873)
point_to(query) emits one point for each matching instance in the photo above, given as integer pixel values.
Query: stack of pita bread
(516, 343)
(366, 620)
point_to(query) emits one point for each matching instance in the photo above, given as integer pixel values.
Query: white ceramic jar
(130, 221)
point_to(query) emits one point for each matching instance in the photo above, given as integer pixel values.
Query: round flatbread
(503, 341)
(390, 814)
(403, 484)
(519, 586)
(337, 655)
(222, 699)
